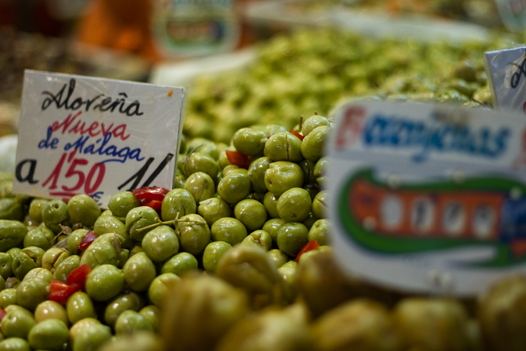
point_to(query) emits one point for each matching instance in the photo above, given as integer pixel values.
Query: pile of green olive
(312, 70)
(276, 203)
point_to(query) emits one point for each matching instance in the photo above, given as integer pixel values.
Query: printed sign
(428, 198)
(506, 70)
(81, 135)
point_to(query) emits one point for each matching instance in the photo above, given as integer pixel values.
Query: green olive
(283, 146)
(102, 250)
(312, 145)
(320, 170)
(256, 173)
(75, 238)
(139, 272)
(320, 231)
(194, 234)
(11, 208)
(179, 264)
(278, 257)
(177, 203)
(312, 123)
(160, 243)
(105, 282)
(80, 306)
(294, 205)
(121, 203)
(110, 224)
(91, 337)
(7, 297)
(198, 162)
(12, 234)
(83, 209)
(159, 287)
(51, 310)
(319, 205)
(14, 344)
(39, 236)
(213, 253)
(5, 265)
(292, 237)
(120, 304)
(75, 328)
(31, 292)
(153, 314)
(251, 213)
(139, 218)
(249, 141)
(17, 323)
(228, 229)
(260, 238)
(271, 204)
(130, 322)
(200, 185)
(213, 209)
(234, 187)
(54, 214)
(283, 175)
(272, 227)
(53, 257)
(40, 273)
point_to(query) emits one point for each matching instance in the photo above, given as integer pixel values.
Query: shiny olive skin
(17, 323)
(5, 265)
(271, 204)
(159, 287)
(153, 314)
(200, 185)
(194, 234)
(109, 224)
(105, 282)
(251, 213)
(197, 162)
(51, 310)
(11, 208)
(228, 229)
(283, 175)
(101, 251)
(39, 236)
(2, 283)
(139, 272)
(292, 237)
(283, 146)
(312, 123)
(40, 273)
(260, 238)
(249, 141)
(121, 203)
(278, 257)
(213, 252)
(31, 292)
(160, 243)
(234, 187)
(179, 180)
(66, 267)
(14, 344)
(91, 337)
(320, 231)
(12, 234)
(137, 219)
(256, 173)
(312, 145)
(179, 264)
(83, 209)
(75, 328)
(319, 205)
(320, 170)
(272, 227)
(29, 258)
(177, 203)
(7, 297)
(294, 205)
(75, 238)
(308, 171)
(130, 322)
(50, 334)
(130, 301)
(53, 257)
(55, 213)
(213, 209)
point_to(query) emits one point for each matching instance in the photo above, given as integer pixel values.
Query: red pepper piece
(311, 245)
(300, 137)
(57, 285)
(86, 241)
(62, 296)
(238, 159)
(155, 204)
(78, 276)
(150, 193)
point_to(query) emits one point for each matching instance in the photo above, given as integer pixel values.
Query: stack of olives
(264, 190)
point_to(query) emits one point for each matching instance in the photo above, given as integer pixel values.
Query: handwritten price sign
(81, 135)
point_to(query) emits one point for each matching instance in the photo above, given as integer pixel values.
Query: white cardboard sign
(428, 198)
(83, 135)
(506, 71)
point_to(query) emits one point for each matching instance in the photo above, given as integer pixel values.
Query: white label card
(83, 135)
(506, 70)
(428, 198)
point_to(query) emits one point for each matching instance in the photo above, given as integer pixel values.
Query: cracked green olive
(251, 213)
(139, 272)
(177, 203)
(294, 205)
(193, 233)
(283, 175)
(179, 264)
(83, 209)
(213, 209)
(121, 203)
(200, 185)
(54, 214)
(138, 219)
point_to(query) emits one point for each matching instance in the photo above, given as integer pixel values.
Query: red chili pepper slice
(86, 241)
(57, 285)
(62, 296)
(300, 137)
(238, 159)
(311, 245)
(155, 204)
(78, 276)
(150, 193)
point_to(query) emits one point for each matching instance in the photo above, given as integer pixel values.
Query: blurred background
(178, 42)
